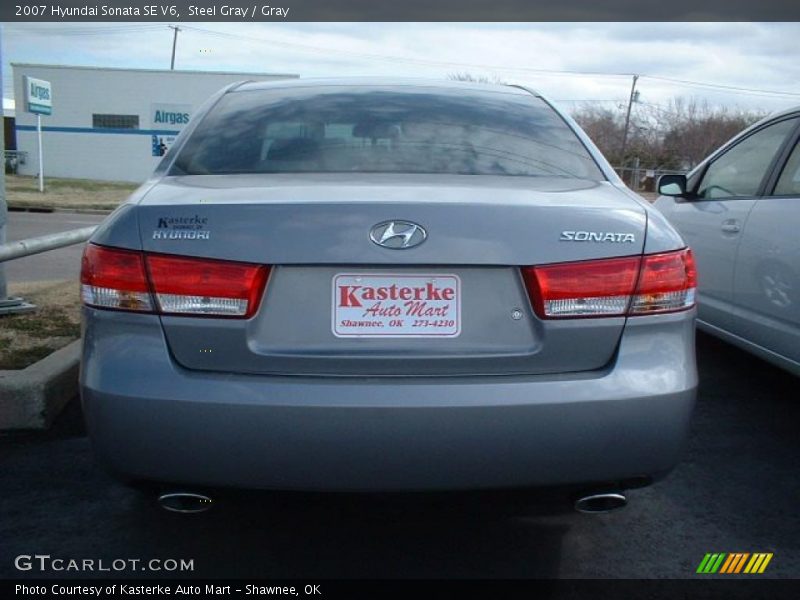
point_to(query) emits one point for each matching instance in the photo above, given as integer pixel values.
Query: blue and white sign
(167, 118)
(159, 144)
(38, 96)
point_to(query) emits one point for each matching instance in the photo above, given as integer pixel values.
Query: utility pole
(174, 43)
(631, 100)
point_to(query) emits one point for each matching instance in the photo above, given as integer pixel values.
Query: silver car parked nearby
(740, 212)
(367, 285)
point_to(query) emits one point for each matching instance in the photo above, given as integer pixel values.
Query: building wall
(74, 148)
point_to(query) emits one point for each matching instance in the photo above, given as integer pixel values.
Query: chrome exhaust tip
(185, 502)
(601, 503)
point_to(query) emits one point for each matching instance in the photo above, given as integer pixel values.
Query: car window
(385, 130)
(740, 171)
(789, 181)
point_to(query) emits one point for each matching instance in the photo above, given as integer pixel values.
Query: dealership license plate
(391, 305)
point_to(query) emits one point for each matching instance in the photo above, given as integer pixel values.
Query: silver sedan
(387, 285)
(740, 212)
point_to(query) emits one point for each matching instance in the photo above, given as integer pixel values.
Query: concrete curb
(31, 398)
(57, 209)
(85, 211)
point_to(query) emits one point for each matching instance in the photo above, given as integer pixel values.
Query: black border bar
(752, 588)
(397, 10)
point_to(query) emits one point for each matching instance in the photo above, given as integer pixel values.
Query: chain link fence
(644, 179)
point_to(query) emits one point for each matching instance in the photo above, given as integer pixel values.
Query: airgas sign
(38, 96)
(170, 116)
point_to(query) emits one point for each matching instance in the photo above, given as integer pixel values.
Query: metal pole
(41, 157)
(174, 43)
(45, 243)
(627, 121)
(7, 305)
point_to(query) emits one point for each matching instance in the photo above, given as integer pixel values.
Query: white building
(111, 124)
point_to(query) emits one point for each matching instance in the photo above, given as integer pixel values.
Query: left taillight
(113, 278)
(195, 286)
(167, 284)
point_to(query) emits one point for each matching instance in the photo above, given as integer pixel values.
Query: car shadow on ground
(57, 501)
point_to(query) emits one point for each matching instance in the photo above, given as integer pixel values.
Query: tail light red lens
(589, 288)
(667, 282)
(633, 285)
(130, 280)
(112, 278)
(206, 287)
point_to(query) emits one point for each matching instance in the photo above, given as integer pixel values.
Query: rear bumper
(149, 418)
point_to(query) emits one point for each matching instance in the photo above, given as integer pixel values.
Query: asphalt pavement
(736, 490)
(56, 265)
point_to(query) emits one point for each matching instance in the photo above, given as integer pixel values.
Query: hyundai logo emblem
(398, 235)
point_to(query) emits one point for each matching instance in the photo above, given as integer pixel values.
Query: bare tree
(695, 129)
(604, 126)
(677, 136)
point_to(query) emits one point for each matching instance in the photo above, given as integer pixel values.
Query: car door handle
(731, 227)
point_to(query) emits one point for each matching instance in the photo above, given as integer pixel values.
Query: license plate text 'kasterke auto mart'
(386, 305)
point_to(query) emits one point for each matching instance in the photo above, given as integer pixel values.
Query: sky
(574, 64)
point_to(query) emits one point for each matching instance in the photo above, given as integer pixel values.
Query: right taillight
(168, 284)
(667, 282)
(633, 285)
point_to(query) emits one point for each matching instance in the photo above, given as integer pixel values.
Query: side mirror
(672, 185)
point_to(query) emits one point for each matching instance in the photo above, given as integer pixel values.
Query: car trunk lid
(314, 231)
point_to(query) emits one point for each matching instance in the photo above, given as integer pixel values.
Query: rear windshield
(363, 130)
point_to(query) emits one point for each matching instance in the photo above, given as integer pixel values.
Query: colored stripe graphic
(734, 562)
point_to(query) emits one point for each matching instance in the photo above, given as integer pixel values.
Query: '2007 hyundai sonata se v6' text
(362, 285)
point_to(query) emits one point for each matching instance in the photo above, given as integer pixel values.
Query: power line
(501, 68)
(119, 29)
(403, 59)
(724, 87)
(595, 100)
